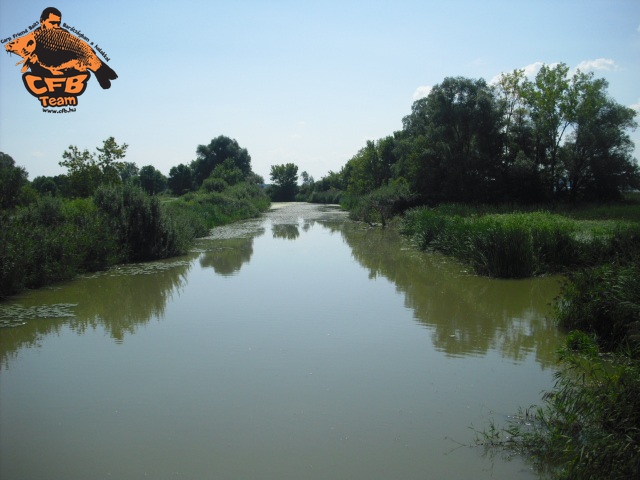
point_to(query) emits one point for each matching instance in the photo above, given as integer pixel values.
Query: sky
(303, 82)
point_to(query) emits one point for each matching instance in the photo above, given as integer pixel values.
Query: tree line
(556, 137)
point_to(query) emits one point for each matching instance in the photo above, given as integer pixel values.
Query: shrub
(589, 425)
(604, 301)
(145, 230)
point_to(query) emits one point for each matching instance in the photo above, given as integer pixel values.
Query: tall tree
(285, 182)
(180, 179)
(371, 167)
(451, 143)
(550, 102)
(597, 154)
(152, 180)
(12, 179)
(219, 149)
(86, 171)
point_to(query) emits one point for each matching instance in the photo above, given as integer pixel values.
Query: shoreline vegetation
(56, 239)
(106, 211)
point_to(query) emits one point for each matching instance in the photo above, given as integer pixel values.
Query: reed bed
(521, 244)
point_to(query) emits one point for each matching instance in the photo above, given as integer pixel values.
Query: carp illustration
(59, 52)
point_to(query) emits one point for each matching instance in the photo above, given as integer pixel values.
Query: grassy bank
(56, 239)
(523, 244)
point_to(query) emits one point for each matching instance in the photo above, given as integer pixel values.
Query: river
(299, 345)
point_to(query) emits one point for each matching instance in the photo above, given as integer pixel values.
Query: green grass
(521, 244)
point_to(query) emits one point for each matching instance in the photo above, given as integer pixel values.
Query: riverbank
(504, 243)
(588, 425)
(55, 239)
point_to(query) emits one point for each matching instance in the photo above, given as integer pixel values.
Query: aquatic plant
(589, 425)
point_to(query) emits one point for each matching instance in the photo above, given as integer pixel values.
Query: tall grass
(589, 425)
(54, 239)
(604, 302)
(144, 229)
(517, 245)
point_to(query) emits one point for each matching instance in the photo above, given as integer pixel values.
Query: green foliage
(87, 171)
(605, 302)
(228, 172)
(45, 186)
(12, 180)
(381, 204)
(52, 240)
(555, 137)
(519, 245)
(285, 182)
(181, 179)
(219, 150)
(144, 229)
(151, 180)
(211, 209)
(45, 238)
(331, 196)
(371, 167)
(589, 425)
(450, 148)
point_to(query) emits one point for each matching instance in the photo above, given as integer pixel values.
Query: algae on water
(16, 315)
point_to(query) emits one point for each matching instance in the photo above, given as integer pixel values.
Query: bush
(144, 229)
(51, 241)
(381, 204)
(589, 425)
(605, 302)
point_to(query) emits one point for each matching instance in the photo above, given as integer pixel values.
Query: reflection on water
(469, 314)
(118, 300)
(298, 345)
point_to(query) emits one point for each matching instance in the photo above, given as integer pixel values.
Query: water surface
(297, 345)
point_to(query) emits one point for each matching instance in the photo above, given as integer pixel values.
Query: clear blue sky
(307, 82)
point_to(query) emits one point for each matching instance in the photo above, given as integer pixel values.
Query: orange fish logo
(59, 63)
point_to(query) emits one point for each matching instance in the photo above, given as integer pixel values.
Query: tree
(180, 179)
(82, 170)
(285, 182)
(128, 170)
(45, 186)
(550, 98)
(597, 155)
(451, 144)
(109, 157)
(86, 171)
(152, 181)
(12, 180)
(219, 149)
(228, 171)
(371, 167)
